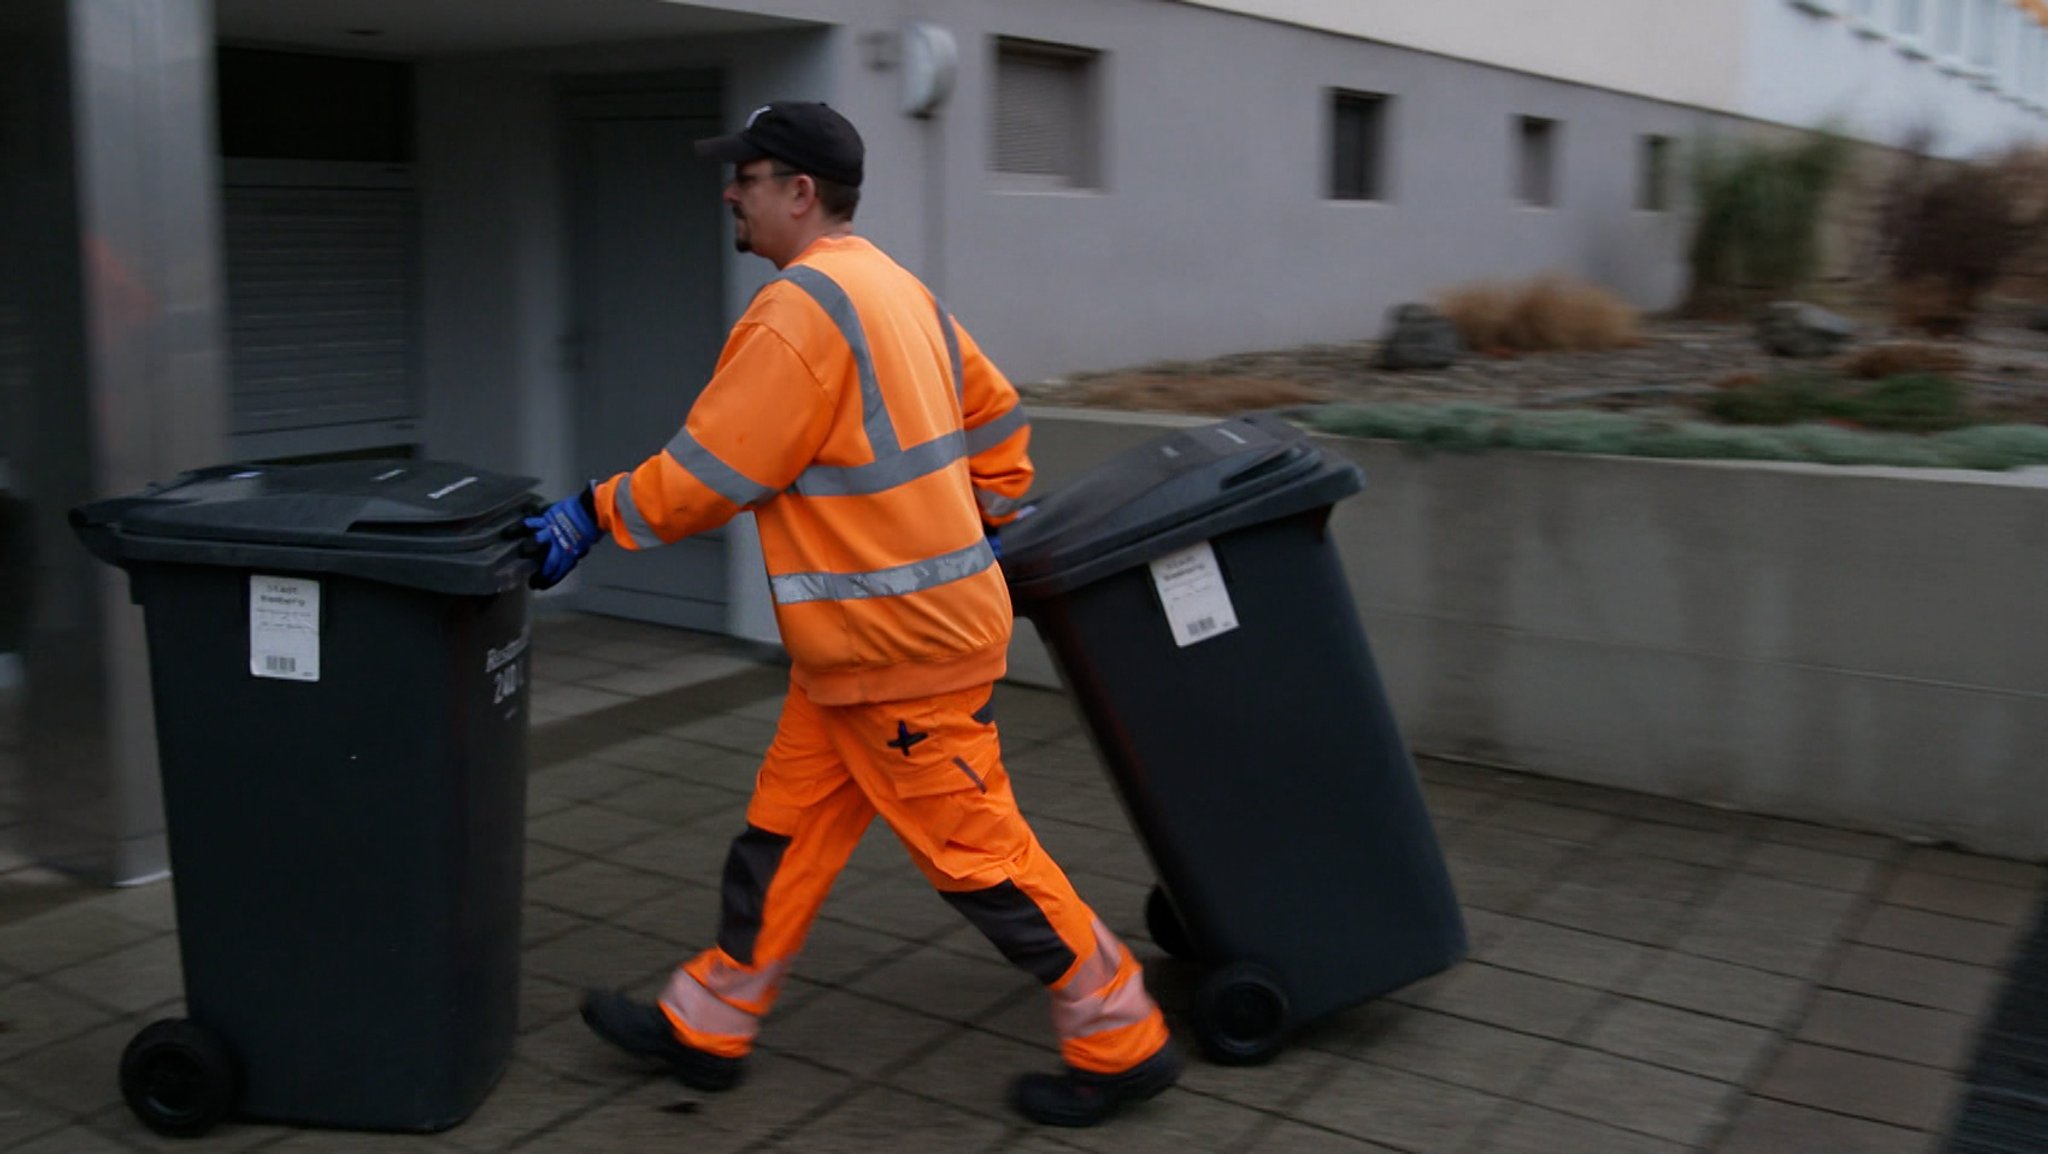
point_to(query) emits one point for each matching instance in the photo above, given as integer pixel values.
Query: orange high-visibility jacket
(875, 444)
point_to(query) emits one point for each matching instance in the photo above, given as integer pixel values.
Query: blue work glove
(565, 530)
(995, 539)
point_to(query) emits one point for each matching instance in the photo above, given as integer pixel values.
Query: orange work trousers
(933, 768)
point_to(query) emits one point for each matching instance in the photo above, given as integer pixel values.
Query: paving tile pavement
(1647, 977)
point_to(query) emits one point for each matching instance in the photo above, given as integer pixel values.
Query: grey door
(649, 272)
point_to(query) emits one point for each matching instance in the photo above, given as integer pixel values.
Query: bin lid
(1185, 487)
(359, 517)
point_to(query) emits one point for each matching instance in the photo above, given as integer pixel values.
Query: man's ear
(806, 188)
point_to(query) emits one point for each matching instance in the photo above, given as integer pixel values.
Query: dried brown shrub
(1954, 230)
(1483, 313)
(1904, 358)
(1220, 396)
(1745, 380)
(1932, 305)
(1548, 314)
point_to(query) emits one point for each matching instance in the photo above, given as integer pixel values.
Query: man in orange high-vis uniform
(877, 447)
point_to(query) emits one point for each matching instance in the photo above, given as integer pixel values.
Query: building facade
(280, 229)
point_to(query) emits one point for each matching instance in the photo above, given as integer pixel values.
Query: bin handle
(1266, 465)
(99, 514)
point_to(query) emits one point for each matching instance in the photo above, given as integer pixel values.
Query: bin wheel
(1241, 1015)
(179, 1078)
(1163, 922)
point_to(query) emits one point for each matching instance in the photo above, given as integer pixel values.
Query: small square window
(1358, 135)
(1047, 112)
(1536, 161)
(1653, 183)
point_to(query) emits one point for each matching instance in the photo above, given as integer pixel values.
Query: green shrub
(1834, 445)
(1694, 440)
(1921, 403)
(1917, 403)
(1759, 213)
(1781, 399)
(1994, 447)
(1574, 432)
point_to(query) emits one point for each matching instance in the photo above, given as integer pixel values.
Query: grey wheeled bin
(1196, 609)
(338, 663)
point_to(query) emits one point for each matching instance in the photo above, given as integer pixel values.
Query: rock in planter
(1419, 337)
(1797, 329)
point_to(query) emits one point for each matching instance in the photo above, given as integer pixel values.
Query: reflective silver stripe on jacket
(995, 504)
(717, 476)
(638, 531)
(893, 465)
(897, 581)
(837, 305)
(994, 433)
(885, 474)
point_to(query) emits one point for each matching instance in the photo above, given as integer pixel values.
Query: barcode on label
(272, 663)
(1195, 595)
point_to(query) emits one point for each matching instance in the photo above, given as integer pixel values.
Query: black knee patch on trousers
(749, 866)
(1010, 919)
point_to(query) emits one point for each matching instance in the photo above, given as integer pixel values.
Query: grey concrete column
(110, 173)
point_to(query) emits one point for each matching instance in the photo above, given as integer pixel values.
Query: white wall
(1212, 232)
(1679, 50)
(1805, 68)
(1765, 59)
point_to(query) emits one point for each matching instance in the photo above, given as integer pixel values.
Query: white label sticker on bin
(1190, 585)
(284, 628)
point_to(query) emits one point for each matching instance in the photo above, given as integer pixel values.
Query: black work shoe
(643, 1031)
(1079, 1098)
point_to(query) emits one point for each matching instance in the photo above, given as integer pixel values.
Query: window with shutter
(320, 224)
(1046, 114)
(321, 301)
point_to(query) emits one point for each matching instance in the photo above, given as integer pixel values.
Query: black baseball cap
(805, 135)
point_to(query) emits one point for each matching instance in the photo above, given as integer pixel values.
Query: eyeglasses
(743, 179)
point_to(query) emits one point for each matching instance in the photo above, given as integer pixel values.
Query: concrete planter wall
(1864, 647)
